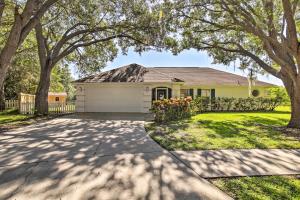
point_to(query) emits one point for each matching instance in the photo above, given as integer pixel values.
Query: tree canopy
(261, 35)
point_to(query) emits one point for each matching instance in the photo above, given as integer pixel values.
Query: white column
(80, 98)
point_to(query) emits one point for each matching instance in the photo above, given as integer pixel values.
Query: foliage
(280, 92)
(227, 130)
(261, 36)
(98, 30)
(172, 109)
(61, 81)
(23, 74)
(205, 104)
(260, 188)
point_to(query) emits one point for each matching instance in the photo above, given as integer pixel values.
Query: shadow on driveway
(90, 157)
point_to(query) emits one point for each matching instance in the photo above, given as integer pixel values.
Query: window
(185, 92)
(205, 93)
(56, 98)
(160, 93)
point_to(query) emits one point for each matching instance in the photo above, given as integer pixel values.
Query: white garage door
(104, 98)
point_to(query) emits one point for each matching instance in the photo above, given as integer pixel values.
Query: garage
(107, 97)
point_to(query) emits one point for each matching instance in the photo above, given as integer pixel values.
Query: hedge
(205, 104)
(174, 109)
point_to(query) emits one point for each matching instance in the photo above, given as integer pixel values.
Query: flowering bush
(172, 109)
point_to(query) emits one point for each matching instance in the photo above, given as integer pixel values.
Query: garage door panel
(113, 99)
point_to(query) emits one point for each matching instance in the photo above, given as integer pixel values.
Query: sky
(187, 58)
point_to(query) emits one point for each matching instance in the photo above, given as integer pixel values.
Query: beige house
(132, 88)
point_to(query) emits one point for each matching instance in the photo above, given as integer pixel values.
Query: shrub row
(173, 109)
(204, 104)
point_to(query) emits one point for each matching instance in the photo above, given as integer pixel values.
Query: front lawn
(12, 116)
(238, 130)
(12, 119)
(261, 188)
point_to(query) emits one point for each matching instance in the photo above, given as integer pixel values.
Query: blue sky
(188, 58)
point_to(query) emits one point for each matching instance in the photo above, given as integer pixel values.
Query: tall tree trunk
(41, 98)
(293, 89)
(2, 95)
(4, 65)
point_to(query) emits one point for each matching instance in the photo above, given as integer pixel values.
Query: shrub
(172, 109)
(279, 91)
(204, 104)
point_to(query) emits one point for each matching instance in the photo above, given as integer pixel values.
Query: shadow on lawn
(274, 187)
(252, 131)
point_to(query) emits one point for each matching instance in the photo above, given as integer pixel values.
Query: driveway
(93, 156)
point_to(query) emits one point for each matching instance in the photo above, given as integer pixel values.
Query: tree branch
(35, 19)
(42, 50)
(291, 25)
(2, 6)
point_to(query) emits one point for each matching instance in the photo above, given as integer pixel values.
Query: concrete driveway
(92, 156)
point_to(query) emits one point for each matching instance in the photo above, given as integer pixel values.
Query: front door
(161, 94)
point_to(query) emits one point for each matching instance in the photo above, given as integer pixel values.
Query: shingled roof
(189, 75)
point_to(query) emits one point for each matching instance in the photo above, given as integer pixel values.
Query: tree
(17, 19)
(258, 33)
(90, 33)
(23, 75)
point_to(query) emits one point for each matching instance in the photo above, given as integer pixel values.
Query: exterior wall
(147, 93)
(229, 91)
(142, 98)
(51, 99)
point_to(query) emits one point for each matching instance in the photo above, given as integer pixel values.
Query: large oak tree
(90, 33)
(17, 19)
(258, 33)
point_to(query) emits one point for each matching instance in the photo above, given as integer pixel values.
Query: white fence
(11, 104)
(61, 108)
(27, 102)
(26, 105)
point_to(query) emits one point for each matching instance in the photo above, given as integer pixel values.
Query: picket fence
(26, 104)
(11, 104)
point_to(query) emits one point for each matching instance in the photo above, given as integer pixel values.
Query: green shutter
(199, 92)
(192, 93)
(170, 93)
(213, 93)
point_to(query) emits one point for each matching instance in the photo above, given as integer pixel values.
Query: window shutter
(192, 93)
(199, 92)
(213, 93)
(153, 94)
(170, 93)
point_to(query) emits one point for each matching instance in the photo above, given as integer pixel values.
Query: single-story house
(132, 88)
(57, 97)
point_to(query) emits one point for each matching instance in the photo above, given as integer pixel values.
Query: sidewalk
(252, 162)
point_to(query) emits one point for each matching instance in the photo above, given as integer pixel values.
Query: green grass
(12, 116)
(261, 188)
(226, 131)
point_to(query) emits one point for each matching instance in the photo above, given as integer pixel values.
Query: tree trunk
(293, 90)
(3, 70)
(41, 98)
(2, 97)
(295, 108)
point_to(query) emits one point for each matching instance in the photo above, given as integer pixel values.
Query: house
(132, 88)
(57, 97)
